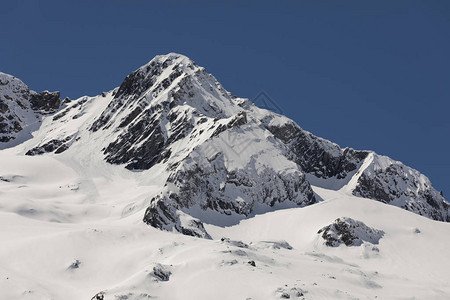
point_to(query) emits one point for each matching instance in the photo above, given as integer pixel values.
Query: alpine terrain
(171, 187)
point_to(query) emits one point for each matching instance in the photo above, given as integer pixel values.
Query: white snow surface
(70, 234)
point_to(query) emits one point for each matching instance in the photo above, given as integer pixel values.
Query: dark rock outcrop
(75, 265)
(349, 232)
(381, 179)
(99, 296)
(287, 292)
(162, 272)
(404, 187)
(21, 108)
(50, 146)
(14, 105)
(148, 134)
(208, 184)
(315, 155)
(162, 216)
(46, 101)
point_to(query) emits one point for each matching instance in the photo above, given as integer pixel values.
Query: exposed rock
(162, 272)
(159, 215)
(61, 149)
(144, 142)
(377, 177)
(21, 108)
(46, 101)
(392, 182)
(15, 110)
(237, 121)
(50, 146)
(3, 107)
(238, 244)
(349, 232)
(315, 155)
(78, 105)
(162, 216)
(290, 293)
(75, 265)
(207, 183)
(99, 296)
(148, 134)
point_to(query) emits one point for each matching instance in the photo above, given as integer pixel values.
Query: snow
(96, 224)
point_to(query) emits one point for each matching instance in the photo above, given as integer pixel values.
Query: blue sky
(364, 74)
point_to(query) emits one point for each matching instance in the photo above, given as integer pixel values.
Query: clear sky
(364, 74)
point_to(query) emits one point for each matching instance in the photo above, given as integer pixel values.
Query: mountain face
(21, 109)
(216, 157)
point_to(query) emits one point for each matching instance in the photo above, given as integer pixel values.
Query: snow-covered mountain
(172, 148)
(21, 109)
(216, 153)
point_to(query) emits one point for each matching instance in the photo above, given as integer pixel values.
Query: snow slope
(65, 238)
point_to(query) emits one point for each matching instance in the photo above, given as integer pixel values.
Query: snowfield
(66, 237)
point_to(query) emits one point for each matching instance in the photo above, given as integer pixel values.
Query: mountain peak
(158, 74)
(171, 59)
(10, 85)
